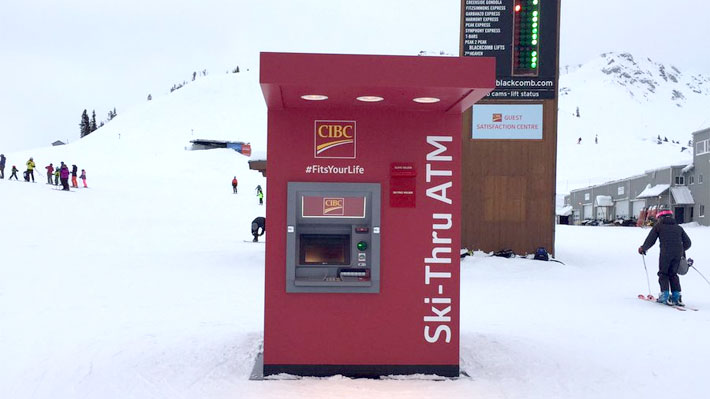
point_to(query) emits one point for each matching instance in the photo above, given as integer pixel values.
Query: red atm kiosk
(364, 211)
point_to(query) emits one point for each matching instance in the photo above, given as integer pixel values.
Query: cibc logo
(334, 139)
(333, 206)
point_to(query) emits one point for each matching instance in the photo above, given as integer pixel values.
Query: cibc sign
(334, 139)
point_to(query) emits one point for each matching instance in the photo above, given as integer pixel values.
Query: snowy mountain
(142, 286)
(628, 102)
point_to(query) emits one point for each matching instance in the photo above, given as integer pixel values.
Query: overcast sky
(59, 57)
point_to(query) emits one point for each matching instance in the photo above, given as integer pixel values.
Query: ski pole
(648, 282)
(701, 275)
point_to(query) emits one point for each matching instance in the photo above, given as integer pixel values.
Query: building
(681, 187)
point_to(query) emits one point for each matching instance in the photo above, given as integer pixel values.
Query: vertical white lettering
(434, 155)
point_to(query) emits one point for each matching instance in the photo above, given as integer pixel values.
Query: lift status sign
(522, 36)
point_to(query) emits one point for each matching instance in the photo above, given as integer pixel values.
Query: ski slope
(142, 286)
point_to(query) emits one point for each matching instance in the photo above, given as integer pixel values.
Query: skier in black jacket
(258, 227)
(674, 243)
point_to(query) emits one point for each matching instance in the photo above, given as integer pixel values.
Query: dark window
(324, 249)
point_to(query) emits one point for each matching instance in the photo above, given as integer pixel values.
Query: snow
(604, 200)
(626, 103)
(142, 286)
(653, 191)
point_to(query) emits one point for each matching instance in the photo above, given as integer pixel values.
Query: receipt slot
(364, 219)
(333, 237)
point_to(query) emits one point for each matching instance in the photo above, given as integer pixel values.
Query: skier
(234, 184)
(260, 195)
(83, 177)
(73, 176)
(64, 176)
(674, 243)
(256, 224)
(579, 140)
(596, 139)
(2, 166)
(30, 169)
(50, 172)
(56, 176)
(14, 173)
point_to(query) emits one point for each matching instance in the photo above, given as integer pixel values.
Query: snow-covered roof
(682, 195)
(604, 200)
(654, 191)
(564, 211)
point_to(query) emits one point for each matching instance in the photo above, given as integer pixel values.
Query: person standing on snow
(64, 176)
(31, 169)
(234, 184)
(83, 177)
(674, 243)
(2, 166)
(56, 176)
(50, 173)
(73, 176)
(14, 173)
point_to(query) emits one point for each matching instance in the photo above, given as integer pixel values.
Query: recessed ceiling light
(426, 100)
(314, 97)
(370, 99)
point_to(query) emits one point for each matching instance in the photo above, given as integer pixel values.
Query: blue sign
(507, 121)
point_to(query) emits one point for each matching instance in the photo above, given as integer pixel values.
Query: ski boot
(676, 299)
(663, 297)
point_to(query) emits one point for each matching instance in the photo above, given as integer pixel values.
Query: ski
(650, 298)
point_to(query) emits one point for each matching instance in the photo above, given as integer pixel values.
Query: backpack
(541, 254)
(683, 266)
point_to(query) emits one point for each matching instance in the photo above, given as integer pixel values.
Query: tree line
(88, 126)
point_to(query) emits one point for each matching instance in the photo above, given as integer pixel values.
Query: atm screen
(324, 249)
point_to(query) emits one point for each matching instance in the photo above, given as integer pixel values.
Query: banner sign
(507, 121)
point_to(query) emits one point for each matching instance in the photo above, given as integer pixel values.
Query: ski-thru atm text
(437, 267)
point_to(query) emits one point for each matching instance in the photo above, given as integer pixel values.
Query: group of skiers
(259, 191)
(673, 242)
(54, 174)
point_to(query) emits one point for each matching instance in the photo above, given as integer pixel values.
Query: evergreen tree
(92, 125)
(84, 125)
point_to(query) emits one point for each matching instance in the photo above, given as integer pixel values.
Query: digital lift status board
(522, 36)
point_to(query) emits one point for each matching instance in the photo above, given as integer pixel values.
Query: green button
(362, 245)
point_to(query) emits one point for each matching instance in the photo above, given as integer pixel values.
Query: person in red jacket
(234, 184)
(50, 173)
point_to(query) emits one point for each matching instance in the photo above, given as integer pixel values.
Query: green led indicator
(534, 42)
(533, 65)
(534, 36)
(362, 245)
(534, 25)
(534, 13)
(534, 2)
(534, 19)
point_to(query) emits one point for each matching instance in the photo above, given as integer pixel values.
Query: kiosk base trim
(360, 370)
